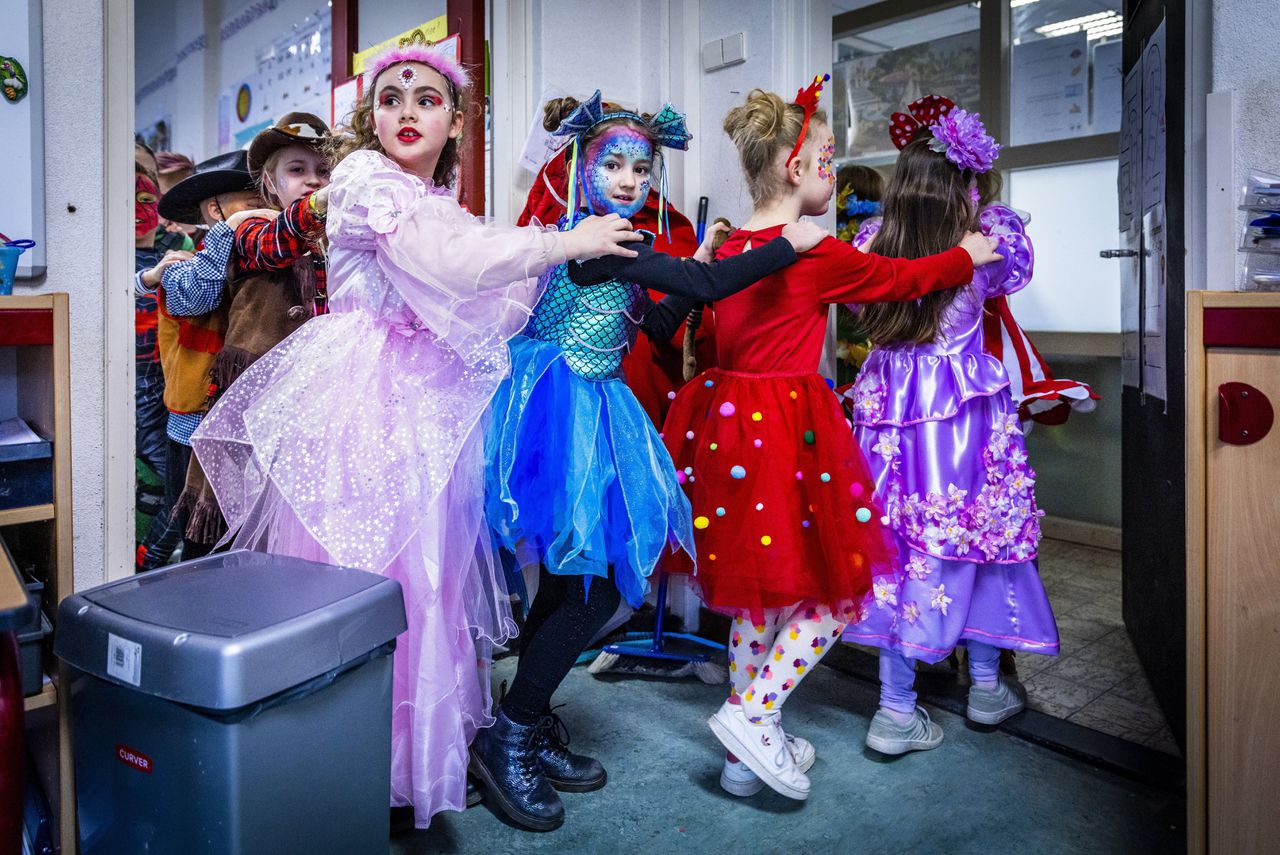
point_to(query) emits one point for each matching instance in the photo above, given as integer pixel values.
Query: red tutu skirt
(783, 509)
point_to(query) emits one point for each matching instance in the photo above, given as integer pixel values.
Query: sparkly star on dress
(358, 441)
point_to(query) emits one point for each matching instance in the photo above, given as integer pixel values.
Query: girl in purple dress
(935, 419)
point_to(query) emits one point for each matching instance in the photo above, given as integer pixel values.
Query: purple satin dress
(941, 434)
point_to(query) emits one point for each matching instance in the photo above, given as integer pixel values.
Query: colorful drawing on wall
(244, 102)
(13, 80)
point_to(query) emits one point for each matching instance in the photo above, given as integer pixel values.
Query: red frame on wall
(466, 18)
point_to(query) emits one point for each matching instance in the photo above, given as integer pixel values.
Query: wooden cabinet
(35, 385)
(1233, 571)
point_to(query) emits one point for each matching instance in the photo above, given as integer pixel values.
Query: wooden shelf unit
(36, 333)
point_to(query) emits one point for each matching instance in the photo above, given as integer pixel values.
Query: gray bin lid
(227, 630)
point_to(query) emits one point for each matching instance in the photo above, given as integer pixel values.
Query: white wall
(74, 177)
(1245, 35)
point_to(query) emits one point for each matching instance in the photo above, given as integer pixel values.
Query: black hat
(293, 129)
(223, 173)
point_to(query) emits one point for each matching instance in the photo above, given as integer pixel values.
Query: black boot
(566, 771)
(502, 757)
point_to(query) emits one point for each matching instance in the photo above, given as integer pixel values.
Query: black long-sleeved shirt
(686, 281)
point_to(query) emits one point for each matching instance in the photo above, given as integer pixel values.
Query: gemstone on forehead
(408, 75)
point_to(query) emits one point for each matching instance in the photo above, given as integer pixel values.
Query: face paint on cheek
(826, 154)
(614, 154)
(146, 204)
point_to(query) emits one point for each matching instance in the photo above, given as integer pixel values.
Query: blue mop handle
(703, 203)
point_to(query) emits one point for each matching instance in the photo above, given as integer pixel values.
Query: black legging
(562, 620)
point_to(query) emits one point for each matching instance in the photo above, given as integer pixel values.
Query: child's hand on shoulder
(151, 278)
(713, 238)
(981, 248)
(804, 235)
(240, 217)
(597, 236)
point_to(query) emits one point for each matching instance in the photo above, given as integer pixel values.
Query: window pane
(880, 70)
(1064, 68)
(1074, 214)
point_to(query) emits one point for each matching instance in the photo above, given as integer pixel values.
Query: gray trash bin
(233, 705)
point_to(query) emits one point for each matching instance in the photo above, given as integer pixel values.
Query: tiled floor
(1096, 680)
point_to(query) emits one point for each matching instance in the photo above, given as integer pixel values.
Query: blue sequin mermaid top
(594, 326)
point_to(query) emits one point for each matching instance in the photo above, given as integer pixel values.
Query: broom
(646, 654)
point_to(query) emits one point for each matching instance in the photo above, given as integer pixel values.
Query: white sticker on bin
(124, 659)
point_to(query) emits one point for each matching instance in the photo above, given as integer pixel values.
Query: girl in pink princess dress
(940, 430)
(357, 440)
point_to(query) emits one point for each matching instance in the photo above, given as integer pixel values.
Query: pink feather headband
(448, 68)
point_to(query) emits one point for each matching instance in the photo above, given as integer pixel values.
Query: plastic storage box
(233, 704)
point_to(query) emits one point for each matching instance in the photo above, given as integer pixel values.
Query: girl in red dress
(764, 450)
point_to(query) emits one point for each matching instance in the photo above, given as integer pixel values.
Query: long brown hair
(761, 128)
(358, 133)
(926, 210)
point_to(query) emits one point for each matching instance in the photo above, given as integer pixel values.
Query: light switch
(712, 56)
(734, 49)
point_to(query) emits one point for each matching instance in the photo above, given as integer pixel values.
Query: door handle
(1244, 414)
(1118, 253)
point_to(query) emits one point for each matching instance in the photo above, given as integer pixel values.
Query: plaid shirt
(277, 244)
(148, 378)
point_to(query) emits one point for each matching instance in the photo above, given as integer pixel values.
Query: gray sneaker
(992, 706)
(888, 737)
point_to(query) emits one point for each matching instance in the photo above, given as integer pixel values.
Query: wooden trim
(890, 12)
(26, 514)
(47, 697)
(1085, 533)
(13, 594)
(1197, 654)
(1076, 343)
(1059, 152)
(64, 523)
(345, 25)
(466, 18)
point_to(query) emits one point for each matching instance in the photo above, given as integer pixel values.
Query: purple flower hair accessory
(961, 136)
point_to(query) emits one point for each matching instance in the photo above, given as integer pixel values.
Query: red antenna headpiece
(807, 99)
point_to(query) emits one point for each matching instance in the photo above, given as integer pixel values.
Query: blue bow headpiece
(668, 129)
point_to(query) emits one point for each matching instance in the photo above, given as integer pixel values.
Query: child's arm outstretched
(195, 287)
(274, 244)
(697, 280)
(848, 275)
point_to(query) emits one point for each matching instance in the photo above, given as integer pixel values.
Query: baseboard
(1085, 533)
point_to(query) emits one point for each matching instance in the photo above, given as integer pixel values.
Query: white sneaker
(762, 747)
(737, 778)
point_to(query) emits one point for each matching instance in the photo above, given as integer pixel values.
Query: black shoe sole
(573, 786)
(513, 813)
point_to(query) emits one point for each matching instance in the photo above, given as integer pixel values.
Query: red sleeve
(276, 244)
(847, 275)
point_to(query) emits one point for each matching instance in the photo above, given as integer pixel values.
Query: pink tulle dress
(356, 441)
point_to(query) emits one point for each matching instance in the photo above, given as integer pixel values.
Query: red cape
(653, 369)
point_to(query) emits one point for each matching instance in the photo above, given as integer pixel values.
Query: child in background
(219, 195)
(276, 282)
(173, 169)
(773, 474)
(357, 440)
(933, 414)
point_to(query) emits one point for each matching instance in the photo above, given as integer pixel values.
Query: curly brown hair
(357, 133)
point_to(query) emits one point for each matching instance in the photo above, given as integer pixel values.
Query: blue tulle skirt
(577, 474)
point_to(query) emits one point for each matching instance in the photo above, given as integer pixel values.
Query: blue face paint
(616, 171)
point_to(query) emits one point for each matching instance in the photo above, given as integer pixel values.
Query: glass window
(1065, 75)
(878, 71)
(1073, 216)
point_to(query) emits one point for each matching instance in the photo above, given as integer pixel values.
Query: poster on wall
(1129, 176)
(22, 132)
(867, 90)
(1049, 89)
(292, 73)
(429, 32)
(1108, 82)
(1153, 119)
